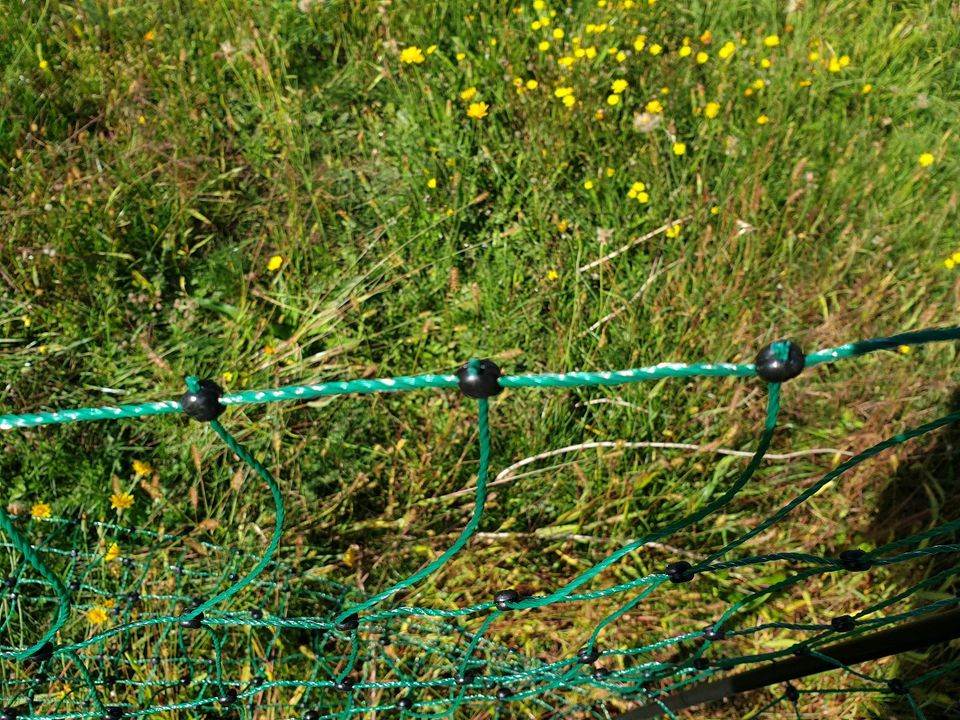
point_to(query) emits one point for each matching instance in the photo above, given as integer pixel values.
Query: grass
(154, 157)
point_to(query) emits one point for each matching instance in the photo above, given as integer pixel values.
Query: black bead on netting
(184, 680)
(204, 404)
(257, 681)
(504, 598)
(600, 674)
(504, 694)
(843, 623)
(701, 663)
(468, 677)
(10, 713)
(350, 622)
(792, 693)
(405, 703)
(311, 715)
(134, 598)
(713, 634)
(229, 697)
(233, 577)
(480, 384)
(74, 585)
(256, 614)
(780, 361)
(193, 623)
(9, 582)
(42, 654)
(384, 640)
(588, 655)
(679, 572)
(114, 713)
(346, 684)
(896, 686)
(855, 560)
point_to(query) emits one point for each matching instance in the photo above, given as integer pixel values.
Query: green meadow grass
(154, 157)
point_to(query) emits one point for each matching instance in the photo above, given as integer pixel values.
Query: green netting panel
(98, 620)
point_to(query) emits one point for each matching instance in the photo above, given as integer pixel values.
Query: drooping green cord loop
(480, 500)
(24, 547)
(193, 385)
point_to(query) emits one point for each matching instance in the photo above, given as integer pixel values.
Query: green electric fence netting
(186, 628)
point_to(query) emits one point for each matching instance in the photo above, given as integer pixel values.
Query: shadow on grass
(923, 493)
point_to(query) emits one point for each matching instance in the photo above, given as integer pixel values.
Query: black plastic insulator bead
(134, 598)
(193, 623)
(256, 614)
(503, 599)
(203, 405)
(405, 703)
(843, 623)
(350, 622)
(679, 572)
(896, 686)
(346, 684)
(385, 640)
(42, 654)
(701, 663)
(311, 715)
(229, 697)
(468, 677)
(74, 585)
(184, 680)
(588, 655)
(792, 693)
(233, 577)
(504, 694)
(257, 681)
(780, 361)
(855, 560)
(114, 713)
(600, 674)
(713, 634)
(481, 384)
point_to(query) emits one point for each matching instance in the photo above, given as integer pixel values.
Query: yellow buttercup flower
(613, 100)
(727, 50)
(41, 511)
(563, 92)
(552, 275)
(834, 65)
(468, 94)
(619, 86)
(274, 263)
(140, 468)
(531, 85)
(97, 615)
(712, 109)
(926, 159)
(702, 57)
(656, 49)
(679, 148)
(432, 183)
(673, 231)
(654, 107)
(543, 46)
(866, 88)
(569, 100)
(412, 54)
(477, 110)
(685, 51)
(121, 501)
(588, 185)
(771, 40)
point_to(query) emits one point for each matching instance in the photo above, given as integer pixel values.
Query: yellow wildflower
(866, 88)
(563, 91)
(673, 231)
(613, 100)
(532, 84)
(44, 64)
(477, 110)
(926, 159)
(41, 511)
(590, 52)
(97, 615)
(702, 57)
(121, 501)
(843, 61)
(655, 49)
(762, 120)
(460, 56)
(566, 61)
(679, 148)
(654, 107)
(113, 552)
(412, 54)
(714, 210)
(543, 46)
(685, 51)
(765, 63)
(712, 110)
(949, 263)
(274, 263)
(588, 185)
(834, 65)
(140, 468)
(771, 40)
(706, 37)
(904, 349)
(557, 34)
(468, 93)
(813, 56)
(639, 42)
(552, 275)
(758, 84)
(619, 86)
(569, 100)
(621, 56)
(727, 50)
(150, 35)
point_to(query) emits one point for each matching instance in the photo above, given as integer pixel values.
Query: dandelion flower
(121, 501)
(552, 276)
(569, 100)
(619, 86)
(149, 35)
(679, 148)
(621, 56)
(813, 56)
(532, 84)
(673, 231)
(771, 40)
(588, 185)
(904, 349)
(712, 110)
(460, 56)
(926, 159)
(412, 54)
(274, 263)
(543, 46)
(706, 37)
(140, 468)
(477, 110)
(685, 51)
(843, 61)
(113, 552)
(468, 94)
(656, 49)
(563, 92)
(97, 615)
(727, 50)
(636, 189)
(654, 106)
(557, 34)
(41, 511)
(639, 43)
(43, 64)
(956, 257)
(949, 263)
(762, 120)
(765, 63)
(714, 210)
(834, 65)
(867, 88)
(702, 57)
(613, 100)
